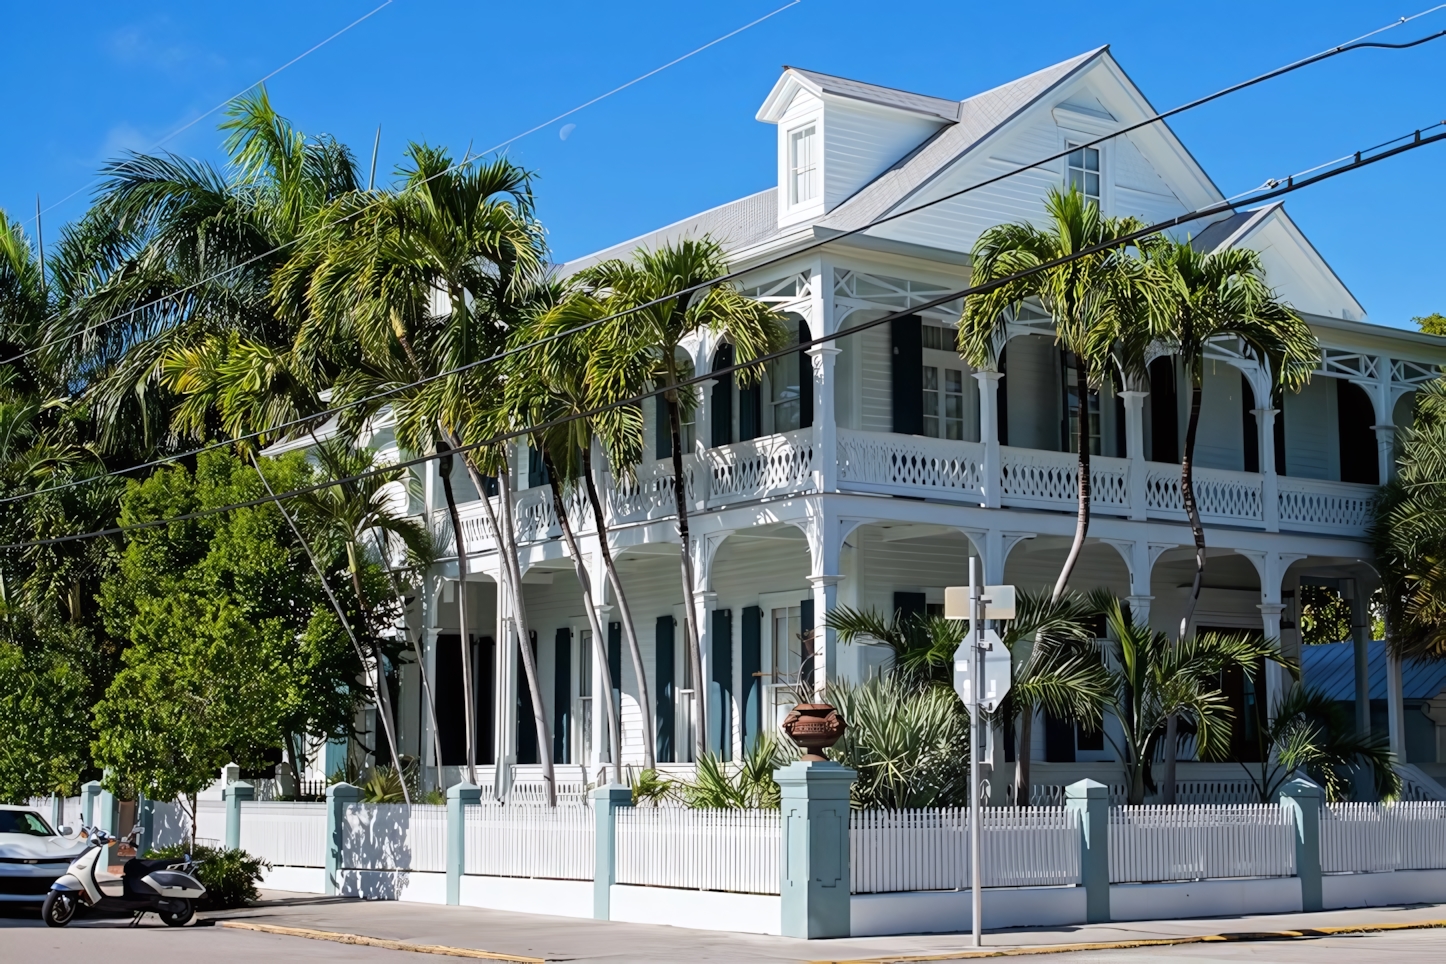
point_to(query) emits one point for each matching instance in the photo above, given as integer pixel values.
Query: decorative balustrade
(649, 494)
(1229, 498)
(911, 465)
(1050, 480)
(1313, 505)
(771, 465)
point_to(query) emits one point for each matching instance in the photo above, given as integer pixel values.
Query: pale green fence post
(89, 792)
(814, 880)
(1302, 800)
(459, 798)
(338, 795)
(606, 800)
(233, 794)
(1090, 801)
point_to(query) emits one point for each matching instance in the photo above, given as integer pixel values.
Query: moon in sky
(566, 130)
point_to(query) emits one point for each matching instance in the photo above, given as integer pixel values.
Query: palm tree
(1094, 299)
(1309, 732)
(656, 332)
(1154, 677)
(1198, 298)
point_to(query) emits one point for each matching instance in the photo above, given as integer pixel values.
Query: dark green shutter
(663, 654)
(908, 372)
(562, 695)
(805, 379)
(805, 629)
(1249, 428)
(750, 411)
(720, 686)
(615, 664)
(664, 431)
(750, 662)
(526, 726)
(722, 400)
(536, 469)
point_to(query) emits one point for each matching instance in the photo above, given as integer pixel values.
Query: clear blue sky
(89, 80)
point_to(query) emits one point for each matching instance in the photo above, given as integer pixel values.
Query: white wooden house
(866, 472)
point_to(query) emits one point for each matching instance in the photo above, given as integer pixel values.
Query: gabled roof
(1330, 668)
(829, 85)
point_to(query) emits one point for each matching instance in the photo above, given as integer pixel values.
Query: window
(1084, 171)
(786, 385)
(943, 388)
(802, 165)
(583, 737)
(1070, 426)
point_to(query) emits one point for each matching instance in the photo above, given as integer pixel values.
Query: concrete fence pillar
(459, 798)
(338, 795)
(1090, 801)
(107, 812)
(89, 793)
(233, 795)
(814, 860)
(1302, 799)
(146, 824)
(606, 801)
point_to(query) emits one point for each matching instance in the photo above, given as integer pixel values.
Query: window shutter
(805, 629)
(722, 401)
(1164, 412)
(720, 685)
(562, 695)
(536, 469)
(1001, 398)
(526, 729)
(908, 340)
(805, 378)
(1249, 428)
(451, 713)
(750, 662)
(663, 433)
(615, 664)
(1280, 437)
(663, 653)
(750, 411)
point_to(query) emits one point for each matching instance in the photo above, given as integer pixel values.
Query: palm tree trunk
(614, 725)
(625, 614)
(469, 696)
(507, 553)
(690, 610)
(1082, 437)
(384, 693)
(1197, 530)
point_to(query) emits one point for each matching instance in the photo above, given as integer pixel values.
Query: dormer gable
(835, 135)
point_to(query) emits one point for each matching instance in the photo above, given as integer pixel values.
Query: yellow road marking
(382, 942)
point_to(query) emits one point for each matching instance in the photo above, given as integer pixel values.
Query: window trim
(792, 137)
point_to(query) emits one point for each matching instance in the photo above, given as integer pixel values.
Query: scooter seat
(137, 867)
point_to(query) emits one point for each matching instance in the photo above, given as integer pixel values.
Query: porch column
(1395, 706)
(707, 602)
(825, 426)
(1385, 452)
(504, 689)
(1360, 637)
(426, 749)
(825, 648)
(1135, 450)
(989, 434)
(1269, 488)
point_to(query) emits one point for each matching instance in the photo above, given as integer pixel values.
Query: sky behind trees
(91, 80)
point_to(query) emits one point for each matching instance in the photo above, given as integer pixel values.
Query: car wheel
(181, 917)
(58, 909)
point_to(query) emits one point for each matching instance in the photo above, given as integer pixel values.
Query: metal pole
(975, 898)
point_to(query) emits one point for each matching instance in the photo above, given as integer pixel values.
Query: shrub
(909, 744)
(229, 876)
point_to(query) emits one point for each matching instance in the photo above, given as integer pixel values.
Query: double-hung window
(803, 165)
(943, 385)
(1084, 171)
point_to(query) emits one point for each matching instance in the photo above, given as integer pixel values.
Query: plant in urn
(814, 727)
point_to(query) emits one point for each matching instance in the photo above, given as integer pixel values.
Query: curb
(381, 942)
(1238, 937)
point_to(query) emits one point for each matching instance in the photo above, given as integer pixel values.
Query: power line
(1357, 44)
(466, 159)
(1288, 185)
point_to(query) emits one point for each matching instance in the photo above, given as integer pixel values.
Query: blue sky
(91, 79)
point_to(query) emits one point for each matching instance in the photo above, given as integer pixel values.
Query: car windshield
(23, 821)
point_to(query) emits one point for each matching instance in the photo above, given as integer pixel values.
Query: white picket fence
(1162, 843)
(520, 841)
(1371, 838)
(211, 822)
(394, 836)
(904, 850)
(285, 834)
(728, 850)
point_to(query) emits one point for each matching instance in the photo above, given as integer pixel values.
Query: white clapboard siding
(523, 841)
(726, 850)
(1373, 838)
(1196, 842)
(394, 836)
(909, 850)
(285, 834)
(1312, 432)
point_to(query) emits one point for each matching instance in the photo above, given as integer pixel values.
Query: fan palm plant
(1095, 299)
(663, 280)
(1308, 732)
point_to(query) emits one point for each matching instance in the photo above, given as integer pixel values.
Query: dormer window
(803, 165)
(1084, 171)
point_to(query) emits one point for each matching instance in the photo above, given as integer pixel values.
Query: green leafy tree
(1432, 324)
(45, 696)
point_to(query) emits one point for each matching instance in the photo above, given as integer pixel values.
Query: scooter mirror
(63, 830)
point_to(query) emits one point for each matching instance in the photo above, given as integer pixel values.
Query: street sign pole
(975, 693)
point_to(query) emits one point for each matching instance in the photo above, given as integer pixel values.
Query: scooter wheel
(58, 909)
(179, 918)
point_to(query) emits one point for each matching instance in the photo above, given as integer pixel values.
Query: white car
(32, 854)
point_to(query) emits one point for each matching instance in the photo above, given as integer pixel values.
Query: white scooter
(168, 886)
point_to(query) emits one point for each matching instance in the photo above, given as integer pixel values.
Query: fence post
(1302, 799)
(233, 794)
(459, 798)
(1091, 803)
(338, 795)
(146, 823)
(814, 881)
(89, 791)
(605, 803)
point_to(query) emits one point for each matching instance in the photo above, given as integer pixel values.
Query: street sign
(997, 670)
(998, 602)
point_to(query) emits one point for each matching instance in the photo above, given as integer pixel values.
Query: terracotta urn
(815, 727)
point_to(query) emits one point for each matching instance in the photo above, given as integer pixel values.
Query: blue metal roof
(1330, 667)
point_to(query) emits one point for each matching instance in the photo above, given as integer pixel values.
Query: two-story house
(866, 471)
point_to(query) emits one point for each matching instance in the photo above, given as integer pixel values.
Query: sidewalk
(499, 935)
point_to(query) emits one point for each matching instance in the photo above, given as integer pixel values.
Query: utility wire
(467, 158)
(324, 414)
(1285, 186)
